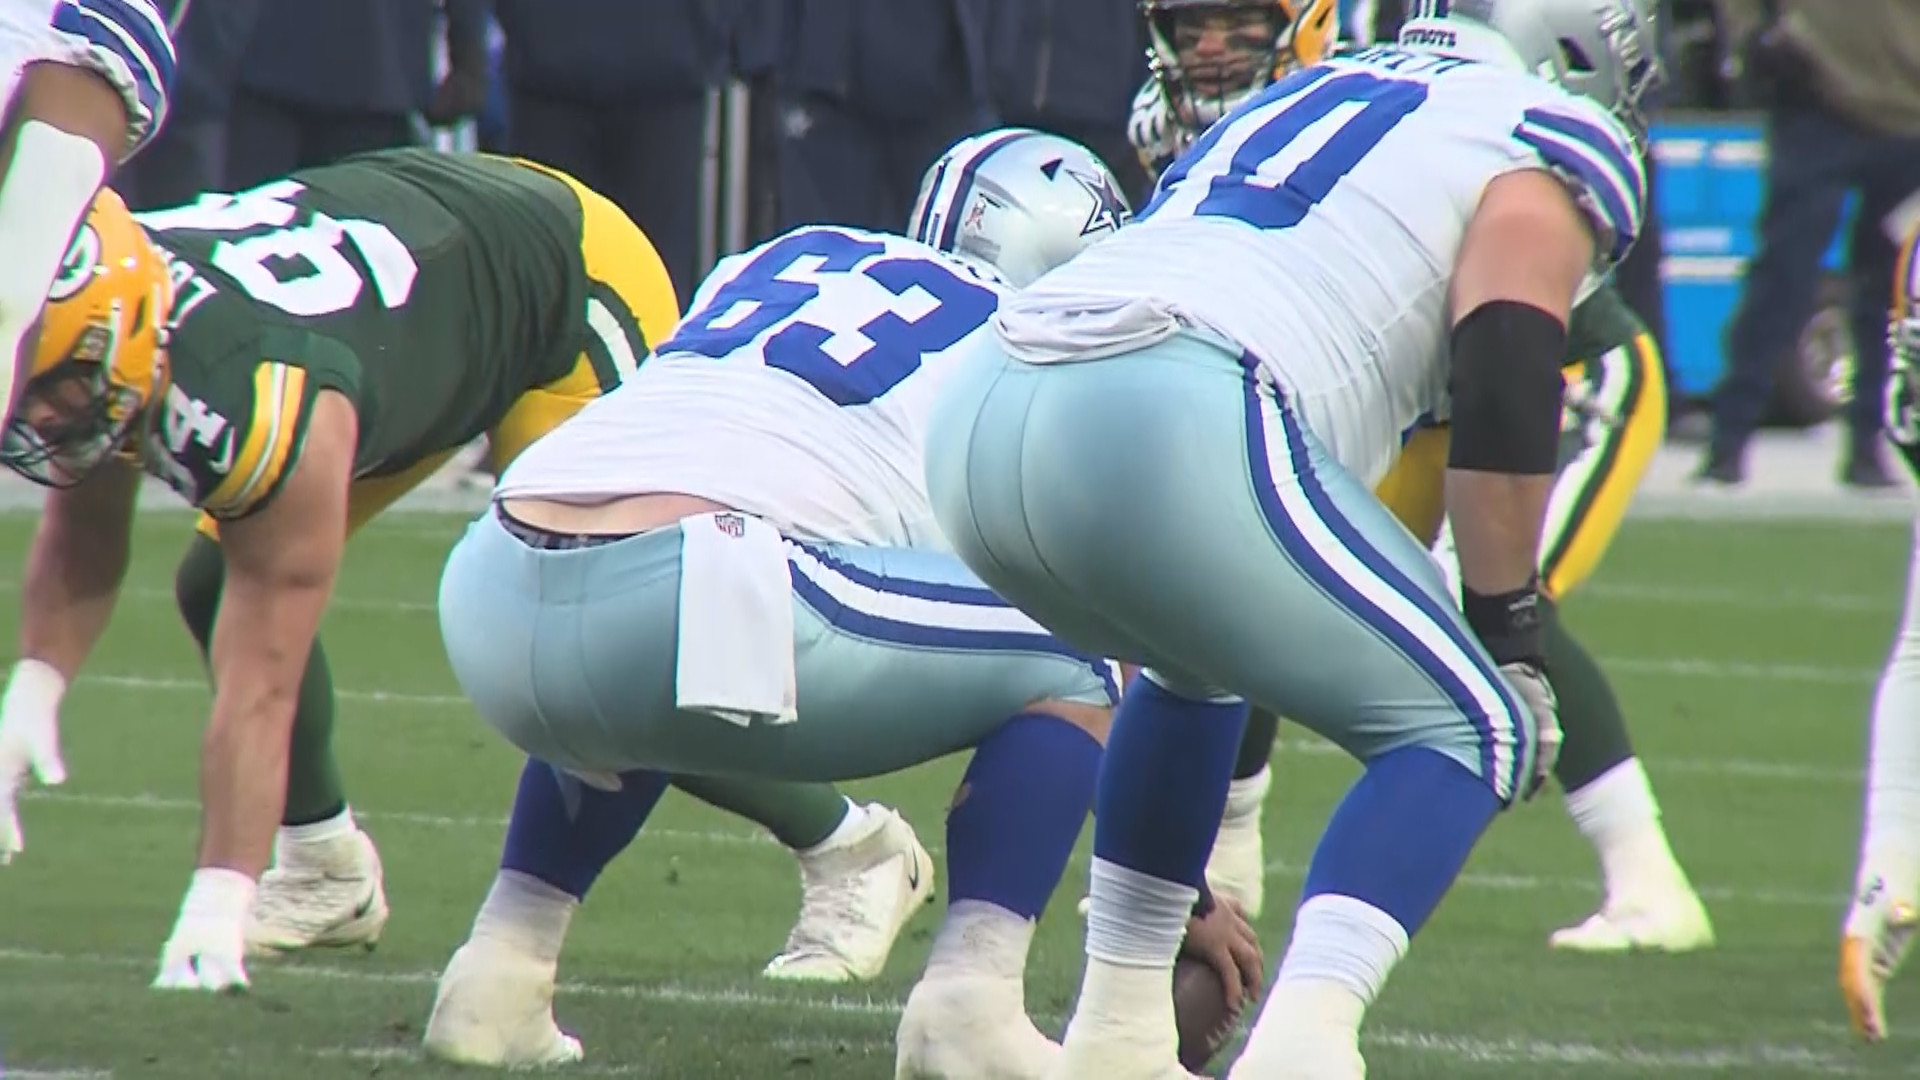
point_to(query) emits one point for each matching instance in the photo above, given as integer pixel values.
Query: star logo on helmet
(1109, 209)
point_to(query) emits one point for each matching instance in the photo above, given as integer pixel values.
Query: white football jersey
(126, 42)
(797, 389)
(1317, 226)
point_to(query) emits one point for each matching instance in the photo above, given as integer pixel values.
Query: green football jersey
(1601, 324)
(432, 290)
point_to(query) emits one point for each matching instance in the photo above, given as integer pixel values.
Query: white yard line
(1677, 594)
(1278, 869)
(1468, 1049)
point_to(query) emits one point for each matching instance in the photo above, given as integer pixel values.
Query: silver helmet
(1018, 201)
(1601, 49)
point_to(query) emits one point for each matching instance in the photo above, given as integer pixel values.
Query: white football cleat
(1095, 1051)
(855, 898)
(494, 1008)
(1876, 942)
(319, 894)
(1237, 868)
(971, 1028)
(1670, 920)
(1332, 1059)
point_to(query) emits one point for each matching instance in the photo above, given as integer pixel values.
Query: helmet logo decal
(1109, 209)
(81, 263)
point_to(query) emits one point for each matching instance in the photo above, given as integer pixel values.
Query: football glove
(208, 943)
(29, 743)
(1536, 693)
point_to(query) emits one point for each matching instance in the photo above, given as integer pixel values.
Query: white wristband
(35, 687)
(217, 895)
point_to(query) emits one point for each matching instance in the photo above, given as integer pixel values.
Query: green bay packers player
(1880, 924)
(291, 360)
(1206, 57)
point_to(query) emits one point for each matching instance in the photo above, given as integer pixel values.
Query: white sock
(1135, 919)
(980, 938)
(1343, 941)
(1246, 796)
(1618, 815)
(318, 832)
(1342, 951)
(842, 833)
(1134, 1003)
(526, 912)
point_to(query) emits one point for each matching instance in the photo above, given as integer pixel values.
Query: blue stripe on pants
(1301, 547)
(950, 610)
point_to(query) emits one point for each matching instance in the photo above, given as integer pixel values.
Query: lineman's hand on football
(29, 743)
(1537, 694)
(1224, 940)
(208, 945)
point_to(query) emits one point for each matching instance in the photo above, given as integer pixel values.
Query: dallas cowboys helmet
(1017, 201)
(1601, 49)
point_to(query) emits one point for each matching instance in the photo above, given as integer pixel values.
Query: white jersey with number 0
(1316, 228)
(797, 389)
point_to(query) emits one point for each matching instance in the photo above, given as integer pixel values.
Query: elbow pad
(1507, 389)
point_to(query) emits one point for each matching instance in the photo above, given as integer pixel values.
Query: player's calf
(1010, 831)
(1237, 869)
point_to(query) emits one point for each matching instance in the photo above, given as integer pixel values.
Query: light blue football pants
(1166, 507)
(901, 656)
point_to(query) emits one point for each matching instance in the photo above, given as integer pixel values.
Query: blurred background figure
(1638, 275)
(615, 93)
(1071, 67)
(189, 155)
(1840, 82)
(870, 93)
(320, 81)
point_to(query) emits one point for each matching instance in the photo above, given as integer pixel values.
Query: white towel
(736, 621)
(1049, 336)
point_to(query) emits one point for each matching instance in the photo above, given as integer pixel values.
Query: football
(1200, 1012)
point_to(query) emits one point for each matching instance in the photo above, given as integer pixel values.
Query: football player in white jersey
(1389, 235)
(83, 85)
(1208, 56)
(728, 566)
(1885, 913)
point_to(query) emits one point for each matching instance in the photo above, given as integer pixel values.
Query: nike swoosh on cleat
(913, 870)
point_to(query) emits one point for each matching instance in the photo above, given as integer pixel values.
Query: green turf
(1745, 655)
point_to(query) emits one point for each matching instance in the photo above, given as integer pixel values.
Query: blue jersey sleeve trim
(1599, 161)
(133, 32)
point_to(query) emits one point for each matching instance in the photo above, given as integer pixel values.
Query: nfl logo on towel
(731, 524)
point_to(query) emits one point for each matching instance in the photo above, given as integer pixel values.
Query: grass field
(1745, 653)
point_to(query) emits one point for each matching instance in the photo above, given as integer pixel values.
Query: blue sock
(1402, 834)
(1021, 806)
(1163, 784)
(564, 832)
